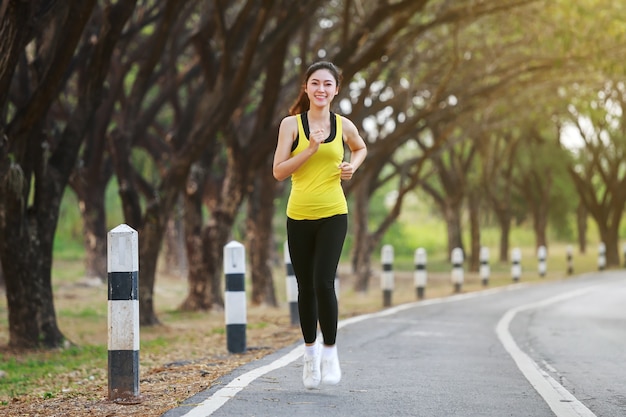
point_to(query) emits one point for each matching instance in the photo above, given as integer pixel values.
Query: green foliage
(113, 205)
(158, 344)
(88, 313)
(420, 232)
(24, 374)
(68, 238)
(562, 218)
(258, 325)
(67, 267)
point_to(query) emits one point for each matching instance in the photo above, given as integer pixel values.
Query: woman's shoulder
(289, 121)
(346, 123)
(344, 119)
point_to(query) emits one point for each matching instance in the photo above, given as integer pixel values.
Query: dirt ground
(165, 382)
(195, 355)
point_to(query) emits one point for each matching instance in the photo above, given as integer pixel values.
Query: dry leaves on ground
(171, 379)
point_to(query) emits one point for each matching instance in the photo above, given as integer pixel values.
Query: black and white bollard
(420, 276)
(123, 316)
(457, 269)
(516, 264)
(542, 254)
(601, 256)
(569, 257)
(235, 297)
(291, 287)
(485, 269)
(387, 279)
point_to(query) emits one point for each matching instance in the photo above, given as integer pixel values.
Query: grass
(28, 373)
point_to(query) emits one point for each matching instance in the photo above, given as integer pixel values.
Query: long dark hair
(302, 103)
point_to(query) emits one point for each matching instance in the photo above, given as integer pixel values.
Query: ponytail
(302, 103)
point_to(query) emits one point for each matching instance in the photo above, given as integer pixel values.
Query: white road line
(221, 396)
(559, 399)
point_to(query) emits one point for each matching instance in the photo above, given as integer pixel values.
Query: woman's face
(321, 88)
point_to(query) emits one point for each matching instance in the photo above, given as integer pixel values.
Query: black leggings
(315, 247)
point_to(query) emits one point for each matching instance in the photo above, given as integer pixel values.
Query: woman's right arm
(284, 164)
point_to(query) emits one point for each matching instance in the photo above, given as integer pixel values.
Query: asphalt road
(549, 349)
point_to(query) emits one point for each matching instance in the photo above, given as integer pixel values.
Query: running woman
(310, 150)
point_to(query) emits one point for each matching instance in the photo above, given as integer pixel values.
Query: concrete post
(420, 276)
(235, 297)
(516, 264)
(387, 278)
(569, 254)
(123, 315)
(485, 269)
(542, 254)
(457, 269)
(601, 256)
(291, 287)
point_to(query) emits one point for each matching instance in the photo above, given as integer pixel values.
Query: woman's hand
(315, 139)
(346, 170)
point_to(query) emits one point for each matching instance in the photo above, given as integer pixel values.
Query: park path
(441, 357)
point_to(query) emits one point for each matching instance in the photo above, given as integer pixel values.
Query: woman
(310, 149)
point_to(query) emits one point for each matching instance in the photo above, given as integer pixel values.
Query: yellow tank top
(316, 190)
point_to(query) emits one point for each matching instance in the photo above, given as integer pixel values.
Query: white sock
(329, 351)
(310, 350)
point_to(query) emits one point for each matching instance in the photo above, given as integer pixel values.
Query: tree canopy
(179, 102)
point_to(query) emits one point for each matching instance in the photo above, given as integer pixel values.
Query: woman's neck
(319, 114)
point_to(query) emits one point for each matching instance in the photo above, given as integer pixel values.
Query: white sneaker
(311, 374)
(331, 371)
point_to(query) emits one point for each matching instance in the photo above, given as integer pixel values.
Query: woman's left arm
(358, 150)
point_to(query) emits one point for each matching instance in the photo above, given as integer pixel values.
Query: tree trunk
(214, 237)
(32, 317)
(363, 260)
(175, 257)
(259, 238)
(14, 29)
(198, 295)
(609, 235)
(536, 190)
(452, 217)
(607, 213)
(26, 243)
(504, 220)
(150, 239)
(92, 210)
(581, 225)
(474, 259)
(218, 230)
(363, 243)
(540, 226)
(609, 231)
